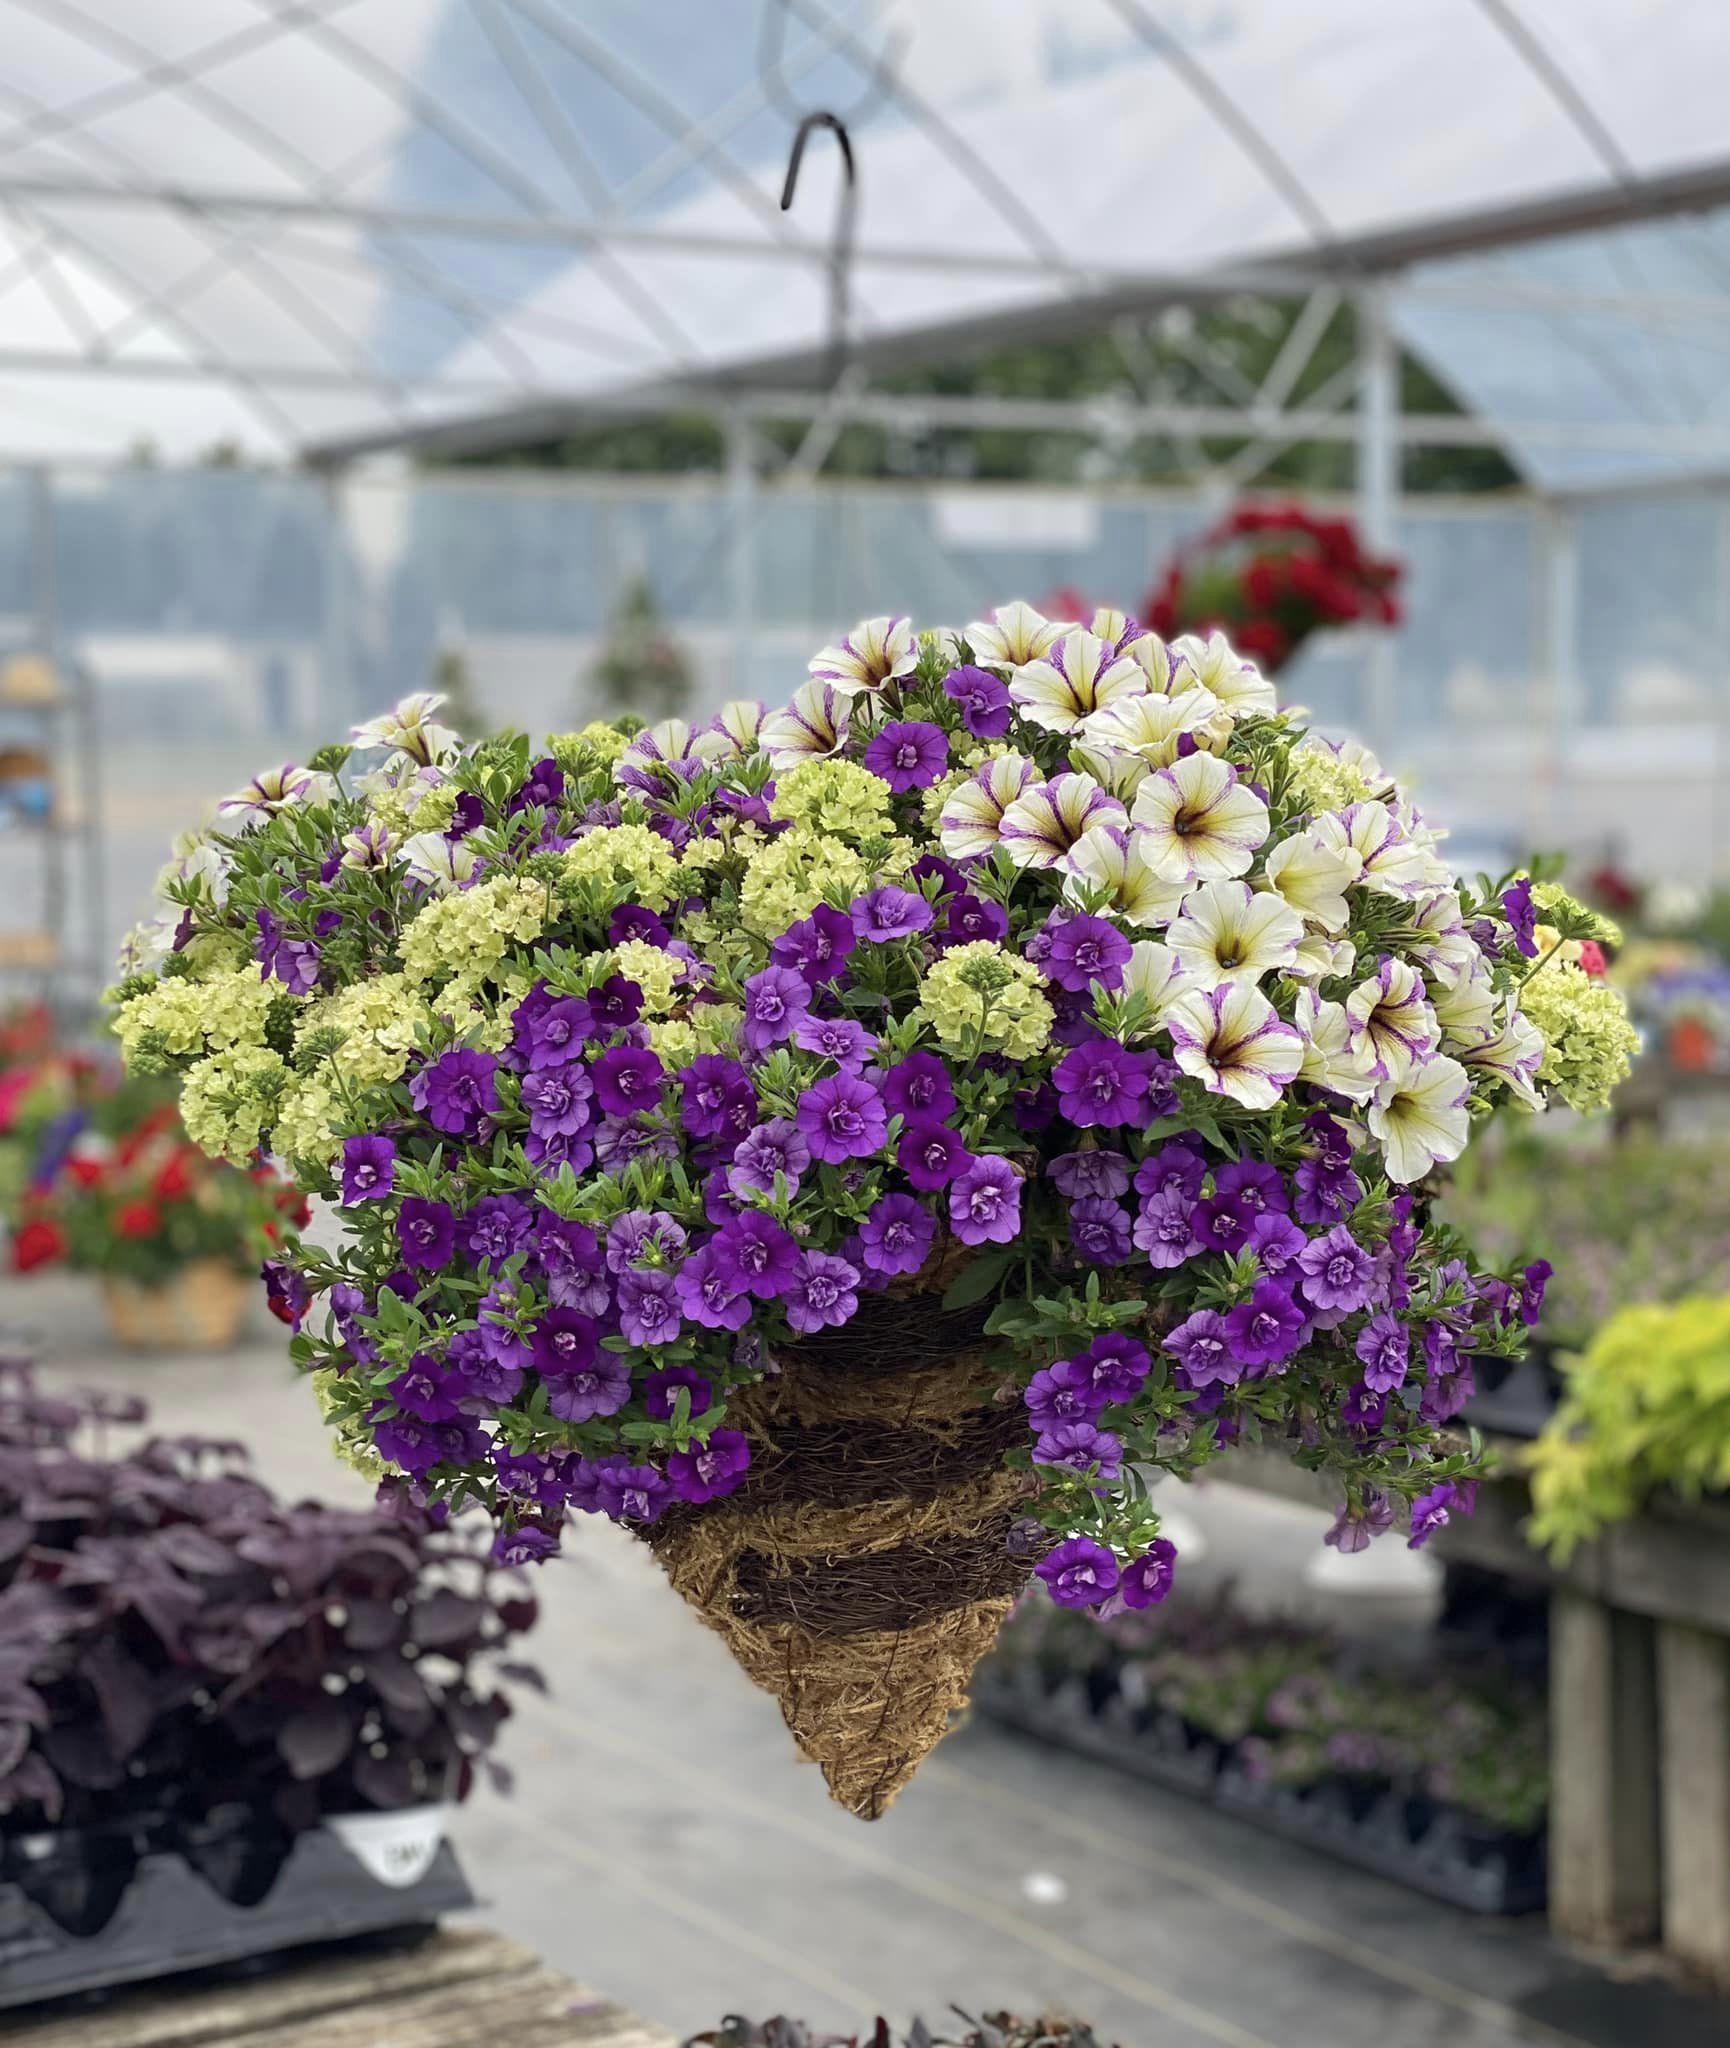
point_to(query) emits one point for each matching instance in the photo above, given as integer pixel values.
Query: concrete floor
(665, 1846)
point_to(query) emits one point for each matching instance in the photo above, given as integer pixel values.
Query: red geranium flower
(176, 1178)
(85, 1171)
(138, 1219)
(38, 1243)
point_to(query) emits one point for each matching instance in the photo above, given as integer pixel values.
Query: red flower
(1262, 641)
(39, 1243)
(138, 1219)
(1592, 959)
(88, 1173)
(176, 1178)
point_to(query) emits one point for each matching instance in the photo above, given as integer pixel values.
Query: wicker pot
(199, 1309)
(865, 1566)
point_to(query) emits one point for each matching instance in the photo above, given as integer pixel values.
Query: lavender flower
(708, 1471)
(822, 1294)
(368, 1168)
(908, 754)
(985, 1203)
(842, 1118)
(890, 913)
(919, 1087)
(985, 706)
(896, 1236)
(775, 1000)
(1079, 1572)
(456, 1090)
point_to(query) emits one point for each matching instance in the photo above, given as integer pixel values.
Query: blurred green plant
(642, 668)
(1646, 1406)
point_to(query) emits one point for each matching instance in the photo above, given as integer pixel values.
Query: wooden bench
(459, 1989)
(1639, 1708)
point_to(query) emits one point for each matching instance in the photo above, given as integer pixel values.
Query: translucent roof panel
(297, 223)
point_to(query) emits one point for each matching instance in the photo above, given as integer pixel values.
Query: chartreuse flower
(629, 864)
(1647, 1405)
(465, 936)
(788, 877)
(183, 1015)
(835, 796)
(229, 1101)
(979, 998)
(596, 746)
(379, 1020)
(1589, 1044)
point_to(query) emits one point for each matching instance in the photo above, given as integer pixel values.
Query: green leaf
(974, 1282)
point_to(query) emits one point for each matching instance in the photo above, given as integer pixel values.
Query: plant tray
(1443, 1856)
(170, 1920)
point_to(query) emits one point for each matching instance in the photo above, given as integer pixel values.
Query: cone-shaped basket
(864, 1567)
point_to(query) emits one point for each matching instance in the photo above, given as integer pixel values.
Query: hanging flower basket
(199, 1308)
(853, 1145)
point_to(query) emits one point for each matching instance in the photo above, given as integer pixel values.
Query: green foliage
(1647, 1406)
(642, 667)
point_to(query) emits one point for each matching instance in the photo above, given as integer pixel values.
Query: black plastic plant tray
(171, 1920)
(1443, 1860)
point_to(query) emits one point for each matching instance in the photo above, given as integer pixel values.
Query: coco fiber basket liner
(866, 1565)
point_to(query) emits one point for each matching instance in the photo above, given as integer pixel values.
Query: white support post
(742, 489)
(1378, 487)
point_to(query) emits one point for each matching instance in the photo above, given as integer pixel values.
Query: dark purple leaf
(386, 1781)
(372, 1624)
(314, 1741)
(530, 1675)
(444, 1617)
(394, 1679)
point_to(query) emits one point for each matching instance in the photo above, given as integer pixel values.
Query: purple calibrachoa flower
(1147, 1579)
(648, 1308)
(919, 1087)
(1201, 1344)
(1079, 1572)
(1096, 1172)
(1522, 915)
(526, 1544)
(1221, 1225)
(618, 1002)
(600, 1388)
(495, 1227)
(932, 1155)
(775, 999)
(427, 1232)
(569, 1257)
(775, 1147)
(1354, 1532)
(714, 1091)
(1081, 1447)
(754, 1255)
(1385, 1348)
(1080, 950)
(841, 1118)
(704, 1296)
(817, 946)
(1276, 1241)
(1254, 1185)
(985, 703)
(563, 1342)
(628, 1078)
(1176, 1168)
(661, 1392)
(908, 753)
(456, 1090)
(1066, 1391)
(985, 1203)
(642, 1237)
(293, 962)
(630, 1493)
(1102, 1083)
(1269, 1327)
(1119, 1365)
(897, 1234)
(968, 917)
(890, 913)
(1165, 1230)
(1436, 1508)
(556, 1032)
(708, 1471)
(1326, 1192)
(368, 1168)
(1337, 1271)
(543, 786)
(558, 1101)
(636, 921)
(839, 1039)
(822, 1294)
(1099, 1230)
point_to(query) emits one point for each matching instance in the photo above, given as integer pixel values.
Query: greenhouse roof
(326, 225)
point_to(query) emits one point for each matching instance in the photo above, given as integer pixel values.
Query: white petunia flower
(1313, 876)
(1234, 1044)
(1120, 774)
(1464, 1000)
(1048, 818)
(1217, 666)
(812, 726)
(1320, 958)
(1227, 932)
(1442, 941)
(1393, 1028)
(1081, 675)
(1149, 726)
(1155, 973)
(274, 790)
(1515, 1052)
(1393, 865)
(971, 820)
(1107, 857)
(146, 946)
(1423, 1120)
(740, 724)
(411, 729)
(1328, 1061)
(1117, 628)
(443, 863)
(1014, 634)
(874, 653)
(1197, 822)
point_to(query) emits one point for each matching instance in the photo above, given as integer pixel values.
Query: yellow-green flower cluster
(788, 877)
(304, 1129)
(1320, 780)
(630, 864)
(707, 1027)
(379, 1019)
(654, 970)
(979, 998)
(833, 796)
(466, 935)
(598, 745)
(1589, 1044)
(229, 1101)
(435, 810)
(1557, 908)
(182, 1015)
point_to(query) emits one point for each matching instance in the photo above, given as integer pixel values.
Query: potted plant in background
(1272, 575)
(174, 1237)
(641, 668)
(855, 1146)
(191, 1670)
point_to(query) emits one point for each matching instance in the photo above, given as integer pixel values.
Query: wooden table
(466, 1989)
(1639, 1707)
